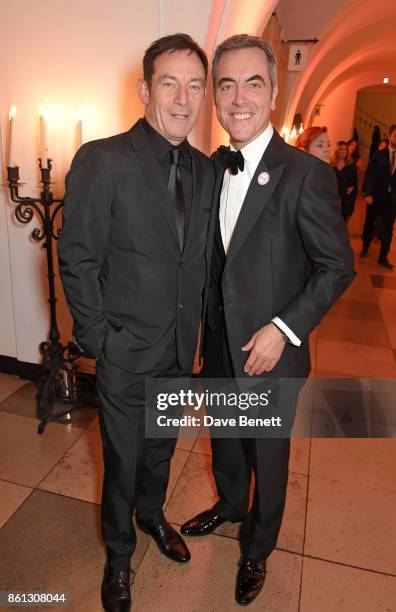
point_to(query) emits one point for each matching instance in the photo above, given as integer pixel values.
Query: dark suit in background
(136, 302)
(380, 184)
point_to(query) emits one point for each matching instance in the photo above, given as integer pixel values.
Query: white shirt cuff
(286, 330)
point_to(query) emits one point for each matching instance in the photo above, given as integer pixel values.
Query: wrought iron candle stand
(58, 379)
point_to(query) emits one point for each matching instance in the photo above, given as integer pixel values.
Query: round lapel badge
(263, 178)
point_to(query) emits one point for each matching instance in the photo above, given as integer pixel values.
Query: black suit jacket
(127, 284)
(378, 179)
(289, 255)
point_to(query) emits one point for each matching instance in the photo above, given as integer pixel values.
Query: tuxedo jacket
(289, 256)
(378, 179)
(127, 284)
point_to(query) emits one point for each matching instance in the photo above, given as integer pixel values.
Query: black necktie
(175, 188)
(231, 159)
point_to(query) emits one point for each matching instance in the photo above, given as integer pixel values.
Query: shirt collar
(161, 145)
(254, 151)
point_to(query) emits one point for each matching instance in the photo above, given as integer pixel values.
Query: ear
(143, 91)
(273, 97)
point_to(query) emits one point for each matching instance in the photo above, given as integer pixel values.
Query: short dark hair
(245, 41)
(392, 129)
(174, 42)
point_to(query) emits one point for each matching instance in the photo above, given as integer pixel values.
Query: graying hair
(245, 41)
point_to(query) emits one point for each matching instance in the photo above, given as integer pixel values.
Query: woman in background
(315, 141)
(347, 180)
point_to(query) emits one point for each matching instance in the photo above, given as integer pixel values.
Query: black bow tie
(231, 159)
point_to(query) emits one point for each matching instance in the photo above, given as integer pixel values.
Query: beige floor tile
(177, 464)
(79, 473)
(351, 524)
(53, 543)
(9, 384)
(350, 330)
(356, 359)
(195, 492)
(25, 456)
(207, 582)
(11, 497)
(328, 587)
(361, 290)
(299, 455)
(365, 462)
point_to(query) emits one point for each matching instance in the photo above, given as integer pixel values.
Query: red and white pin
(263, 178)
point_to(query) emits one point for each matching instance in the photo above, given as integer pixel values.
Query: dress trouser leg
(388, 219)
(136, 469)
(372, 212)
(122, 427)
(233, 461)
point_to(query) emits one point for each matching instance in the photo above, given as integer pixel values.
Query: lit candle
(293, 134)
(43, 139)
(284, 132)
(10, 153)
(79, 130)
(300, 131)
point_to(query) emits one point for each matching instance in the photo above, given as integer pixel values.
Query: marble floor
(336, 551)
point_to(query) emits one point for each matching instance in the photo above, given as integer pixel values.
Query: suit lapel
(219, 175)
(151, 171)
(258, 196)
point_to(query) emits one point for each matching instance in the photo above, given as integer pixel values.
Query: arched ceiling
(361, 36)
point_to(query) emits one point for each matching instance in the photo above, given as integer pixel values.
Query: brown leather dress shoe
(169, 542)
(250, 581)
(203, 524)
(116, 594)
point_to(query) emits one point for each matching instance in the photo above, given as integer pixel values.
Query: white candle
(79, 130)
(10, 152)
(43, 139)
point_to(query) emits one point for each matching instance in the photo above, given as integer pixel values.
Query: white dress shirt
(233, 194)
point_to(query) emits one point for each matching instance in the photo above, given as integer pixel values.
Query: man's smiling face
(174, 97)
(243, 94)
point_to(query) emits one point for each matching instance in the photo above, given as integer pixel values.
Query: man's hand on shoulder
(266, 347)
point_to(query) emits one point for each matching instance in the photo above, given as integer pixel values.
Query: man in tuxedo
(380, 196)
(132, 260)
(280, 258)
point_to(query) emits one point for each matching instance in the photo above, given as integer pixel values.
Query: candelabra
(58, 379)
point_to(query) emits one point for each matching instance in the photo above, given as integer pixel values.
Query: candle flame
(294, 133)
(78, 116)
(12, 112)
(300, 131)
(284, 130)
(42, 112)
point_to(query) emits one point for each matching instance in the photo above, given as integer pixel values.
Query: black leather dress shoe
(116, 594)
(203, 524)
(250, 581)
(169, 542)
(385, 263)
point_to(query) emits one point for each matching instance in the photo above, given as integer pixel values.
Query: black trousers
(136, 469)
(387, 212)
(234, 460)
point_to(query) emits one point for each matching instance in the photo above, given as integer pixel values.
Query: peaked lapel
(151, 171)
(258, 196)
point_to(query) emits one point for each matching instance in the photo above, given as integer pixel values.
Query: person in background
(383, 144)
(353, 150)
(380, 196)
(347, 180)
(315, 140)
(375, 140)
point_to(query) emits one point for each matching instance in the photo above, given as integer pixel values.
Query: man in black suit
(280, 259)
(132, 260)
(380, 192)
